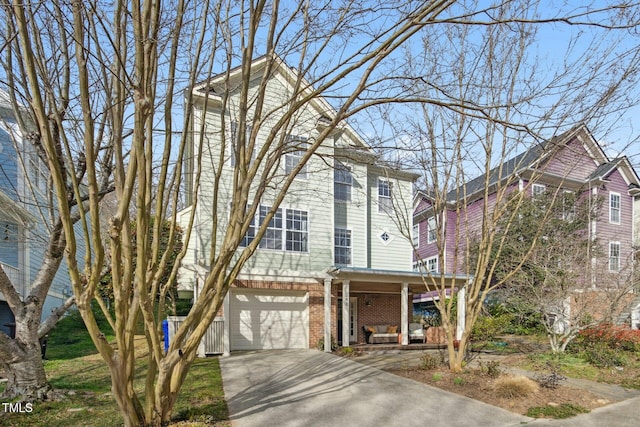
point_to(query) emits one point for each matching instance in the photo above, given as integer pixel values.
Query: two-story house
(26, 209)
(573, 162)
(334, 249)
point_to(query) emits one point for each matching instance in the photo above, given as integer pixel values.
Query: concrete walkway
(311, 388)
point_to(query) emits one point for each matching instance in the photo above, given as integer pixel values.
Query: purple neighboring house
(574, 162)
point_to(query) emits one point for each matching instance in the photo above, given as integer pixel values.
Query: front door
(353, 319)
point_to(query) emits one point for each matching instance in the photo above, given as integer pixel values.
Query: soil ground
(476, 383)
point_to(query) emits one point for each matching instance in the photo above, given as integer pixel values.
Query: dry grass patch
(515, 386)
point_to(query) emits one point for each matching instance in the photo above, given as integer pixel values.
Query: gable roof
(530, 160)
(14, 213)
(212, 87)
(537, 154)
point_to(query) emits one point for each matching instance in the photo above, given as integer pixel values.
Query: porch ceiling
(390, 281)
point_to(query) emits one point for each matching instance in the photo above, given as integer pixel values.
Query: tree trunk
(26, 376)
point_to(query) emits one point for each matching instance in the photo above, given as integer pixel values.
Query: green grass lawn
(76, 371)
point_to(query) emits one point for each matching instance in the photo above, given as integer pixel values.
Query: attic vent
(385, 237)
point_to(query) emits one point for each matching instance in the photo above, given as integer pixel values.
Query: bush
(487, 328)
(604, 357)
(611, 336)
(516, 386)
(320, 345)
(491, 368)
(564, 410)
(427, 361)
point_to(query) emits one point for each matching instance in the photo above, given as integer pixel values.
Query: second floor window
(342, 246)
(538, 190)
(432, 230)
(614, 256)
(297, 146)
(235, 140)
(272, 238)
(385, 203)
(432, 264)
(614, 208)
(415, 235)
(297, 232)
(287, 230)
(342, 182)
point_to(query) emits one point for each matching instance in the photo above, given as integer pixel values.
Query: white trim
(390, 197)
(350, 230)
(534, 193)
(619, 257)
(429, 239)
(619, 208)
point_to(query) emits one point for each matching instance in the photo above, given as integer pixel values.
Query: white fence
(213, 339)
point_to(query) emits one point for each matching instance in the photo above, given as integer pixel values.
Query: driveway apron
(312, 388)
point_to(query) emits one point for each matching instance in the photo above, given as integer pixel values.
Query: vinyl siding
(397, 253)
(572, 161)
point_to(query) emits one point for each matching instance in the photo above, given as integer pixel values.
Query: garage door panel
(269, 320)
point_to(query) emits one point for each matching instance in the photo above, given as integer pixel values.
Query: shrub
(428, 361)
(564, 410)
(612, 336)
(491, 368)
(458, 381)
(604, 357)
(551, 380)
(320, 345)
(516, 386)
(436, 377)
(487, 328)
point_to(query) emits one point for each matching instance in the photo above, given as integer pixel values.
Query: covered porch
(369, 296)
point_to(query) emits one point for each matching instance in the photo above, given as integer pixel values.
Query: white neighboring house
(26, 200)
(333, 239)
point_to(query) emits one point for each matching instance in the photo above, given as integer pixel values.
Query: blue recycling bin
(165, 331)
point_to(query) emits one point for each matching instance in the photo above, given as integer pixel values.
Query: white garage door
(265, 320)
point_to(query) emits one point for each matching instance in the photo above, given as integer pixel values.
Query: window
(272, 238)
(385, 204)
(297, 233)
(614, 256)
(251, 232)
(342, 246)
(614, 208)
(538, 190)
(234, 142)
(342, 182)
(432, 264)
(568, 205)
(291, 235)
(292, 159)
(432, 230)
(415, 235)
(39, 173)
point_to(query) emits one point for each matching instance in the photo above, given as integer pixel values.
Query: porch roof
(373, 280)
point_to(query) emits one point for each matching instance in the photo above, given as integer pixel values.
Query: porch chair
(416, 332)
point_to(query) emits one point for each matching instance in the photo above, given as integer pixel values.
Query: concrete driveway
(311, 388)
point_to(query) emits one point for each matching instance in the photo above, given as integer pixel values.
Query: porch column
(327, 315)
(346, 316)
(461, 310)
(404, 326)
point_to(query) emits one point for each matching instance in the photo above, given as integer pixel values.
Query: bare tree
(43, 236)
(122, 66)
(487, 110)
